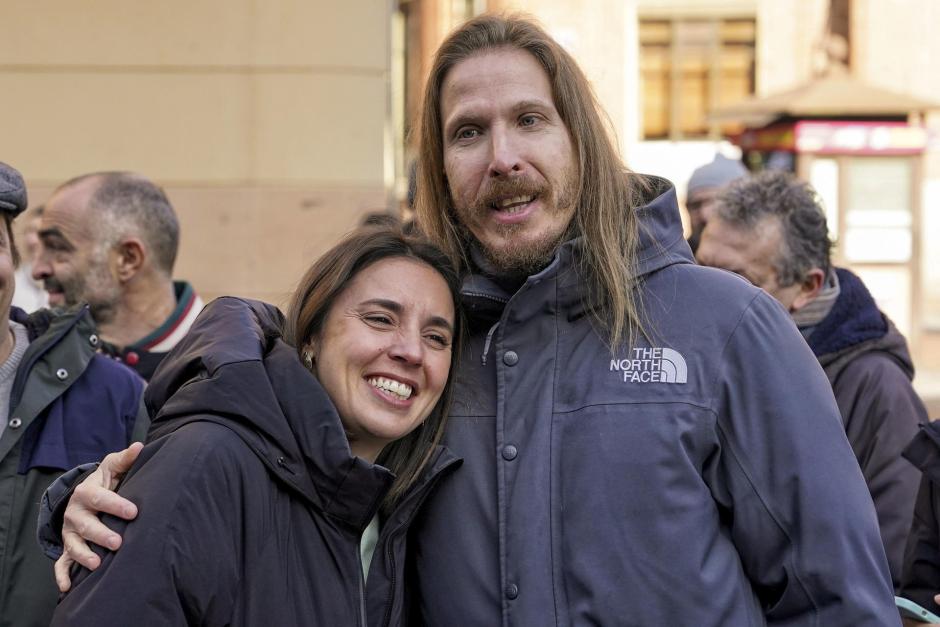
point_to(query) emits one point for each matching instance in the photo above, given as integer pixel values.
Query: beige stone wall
(265, 121)
(788, 33)
(897, 45)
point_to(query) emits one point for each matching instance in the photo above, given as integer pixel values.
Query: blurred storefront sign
(838, 138)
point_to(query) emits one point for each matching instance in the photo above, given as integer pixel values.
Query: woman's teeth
(399, 389)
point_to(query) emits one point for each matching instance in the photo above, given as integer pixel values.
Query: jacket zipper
(491, 297)
(362, 587)
(404, 524)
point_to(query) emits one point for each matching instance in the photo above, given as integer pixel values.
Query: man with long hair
(646, 441)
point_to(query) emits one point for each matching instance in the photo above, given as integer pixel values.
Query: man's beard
(521, 258)
(520, 261)
(96, 287)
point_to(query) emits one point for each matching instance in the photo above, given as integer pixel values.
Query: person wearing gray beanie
(706, 182)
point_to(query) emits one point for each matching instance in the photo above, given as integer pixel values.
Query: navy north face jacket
(251, 506)
(700, 478)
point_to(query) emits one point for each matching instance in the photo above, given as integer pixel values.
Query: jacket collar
(853, 319)
(46, 328)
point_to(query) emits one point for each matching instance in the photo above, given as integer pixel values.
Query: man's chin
(56, 299)
(521, 259)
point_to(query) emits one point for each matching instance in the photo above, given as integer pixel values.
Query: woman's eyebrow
(391, 305)
(439, 321)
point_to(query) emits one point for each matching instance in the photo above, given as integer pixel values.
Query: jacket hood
(234, 368)
(855, 325)
(661, 244)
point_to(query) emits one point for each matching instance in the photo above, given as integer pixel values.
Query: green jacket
(69, 405)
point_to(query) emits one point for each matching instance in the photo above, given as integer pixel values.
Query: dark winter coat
(870, 369)
(68, 406)
(920, 577)
(251, 506)
(699, 479)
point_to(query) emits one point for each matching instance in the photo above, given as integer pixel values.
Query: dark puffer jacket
(251, 505)
(870, 369)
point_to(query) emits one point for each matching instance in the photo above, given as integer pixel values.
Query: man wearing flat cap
(61, 404)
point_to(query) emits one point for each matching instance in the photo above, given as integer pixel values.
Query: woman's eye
(467, 133)
(528, 120)
(438, 339)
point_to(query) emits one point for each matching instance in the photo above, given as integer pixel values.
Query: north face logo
(652, 365)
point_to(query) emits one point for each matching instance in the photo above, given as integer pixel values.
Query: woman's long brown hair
(319, 289)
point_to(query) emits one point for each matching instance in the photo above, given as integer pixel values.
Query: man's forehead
(487, 72)
(749, 248)
(67, 210)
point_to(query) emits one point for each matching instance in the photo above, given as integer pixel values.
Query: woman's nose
(407, 348)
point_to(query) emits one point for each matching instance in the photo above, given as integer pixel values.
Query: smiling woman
(288, 457)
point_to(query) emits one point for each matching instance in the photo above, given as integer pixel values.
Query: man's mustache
(52, 285)
(499, 190)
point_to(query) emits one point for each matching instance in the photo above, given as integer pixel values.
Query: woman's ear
(310, 354)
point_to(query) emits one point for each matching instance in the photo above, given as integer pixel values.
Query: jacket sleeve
(800, 514)
(881, 412)
(179, 561)
(56, 497)
(52, 508)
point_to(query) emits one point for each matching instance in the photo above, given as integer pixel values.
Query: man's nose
(41, 267)
(505, 159)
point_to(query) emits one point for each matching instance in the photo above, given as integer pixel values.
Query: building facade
(269, 124)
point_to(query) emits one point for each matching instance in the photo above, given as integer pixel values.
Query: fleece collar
(854, 318)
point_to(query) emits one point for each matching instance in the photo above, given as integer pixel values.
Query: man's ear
(809, 288)
(130, 257)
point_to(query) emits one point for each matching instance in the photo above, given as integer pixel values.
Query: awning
(837, 94)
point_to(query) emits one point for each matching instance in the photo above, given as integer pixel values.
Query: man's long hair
(607, 192)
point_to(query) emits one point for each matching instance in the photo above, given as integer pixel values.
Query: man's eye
(54, 246)
(528, 120)
(467, 133)
(377, 320)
